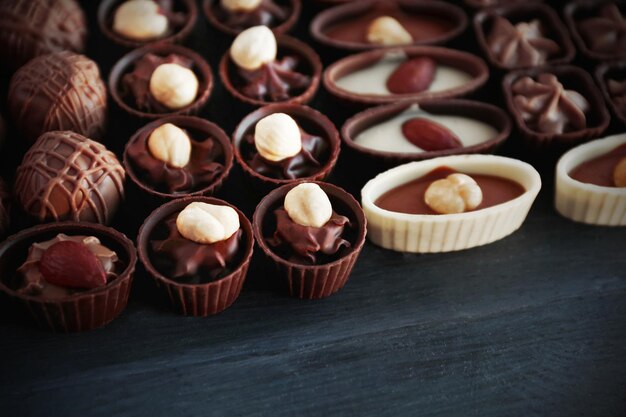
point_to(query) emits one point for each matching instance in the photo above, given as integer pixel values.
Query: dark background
(534, 324)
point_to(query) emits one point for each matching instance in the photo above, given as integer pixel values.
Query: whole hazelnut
(619, 173)
(241, 5)
(170, 144)
(308, 205)
(140, 20)
(254, 47)
(207, 223)
(277, 137)
(454, 194)
(174, 86)
(386, 30)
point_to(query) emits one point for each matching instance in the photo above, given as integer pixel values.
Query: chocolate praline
(66, 176)
(84, 310)
(126, 101)
(196, 297)
(59, 91)
(310, 121)
(597, 116)
(429, 22)
(187, 12)
(550, 25)
(309, 64)
(233, 23)
(321, 279)
(30, 28)
(200, 131)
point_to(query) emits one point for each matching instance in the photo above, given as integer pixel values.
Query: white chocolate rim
(448, 232)
(589, 203)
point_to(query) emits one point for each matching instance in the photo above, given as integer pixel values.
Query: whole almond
(71, 264)
(412, 76)
(429, 135)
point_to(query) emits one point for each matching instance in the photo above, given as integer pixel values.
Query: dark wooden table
(534, 324)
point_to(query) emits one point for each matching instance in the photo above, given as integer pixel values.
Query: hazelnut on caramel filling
(607, 170)
(262, 75)
(199, 244)
(242, 14)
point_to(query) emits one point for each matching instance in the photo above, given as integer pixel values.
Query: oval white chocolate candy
(308, 205)
(207, 223)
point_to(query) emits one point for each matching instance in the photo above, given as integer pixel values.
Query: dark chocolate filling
(268, 13)
(599, 171)
(189, 262)
(203, 168)
(274, 81)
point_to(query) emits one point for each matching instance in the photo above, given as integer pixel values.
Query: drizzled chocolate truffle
(66, 176)
(59, 91)
(30, 28)
(606, 32)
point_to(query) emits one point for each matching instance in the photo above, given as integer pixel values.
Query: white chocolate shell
(589, 203)
(422, 233)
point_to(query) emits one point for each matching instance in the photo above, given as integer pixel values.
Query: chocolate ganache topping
(547, 107)
(267, 13)
(274, 81)
(304, 164)
(523, 44)
(606, 32)
(203, 167)
(137, 82)
(34, 283)
(190, 262)
(307, 244)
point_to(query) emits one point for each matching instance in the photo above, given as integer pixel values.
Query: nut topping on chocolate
(619, 173)
(412, 76)
(429, 135)
(170, 144)
(173, 85)
(454, 194)
(241, 5)
(140, 20)
(207, 223)
(71, 264)
(547, 107)
(386, 30)
(254, 47)
(277, 137)
(308, 205)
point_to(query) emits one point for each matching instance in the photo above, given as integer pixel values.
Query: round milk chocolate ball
(30, 28)
(59, 91)
(66, 176)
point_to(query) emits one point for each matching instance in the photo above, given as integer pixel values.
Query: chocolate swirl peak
(520, 45)
(606, 32)
(547, 107)
(274, 81)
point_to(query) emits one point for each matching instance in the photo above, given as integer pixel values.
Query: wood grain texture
(532, 325)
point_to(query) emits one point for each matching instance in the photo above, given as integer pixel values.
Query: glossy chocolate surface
(66, 176)
(409, 198)
(269, 13)
(599, 170)
(31, 28)
(275, 81)
(189, 262)
(306, 244)
(60, 91)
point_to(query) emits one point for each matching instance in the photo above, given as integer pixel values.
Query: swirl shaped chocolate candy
(66, 176)
(59, 91)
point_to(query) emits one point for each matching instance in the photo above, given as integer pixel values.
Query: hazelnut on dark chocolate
(31, 28)
(59, 91)
(606, 32)
(66, 176)
(146, 20)
(242, 14)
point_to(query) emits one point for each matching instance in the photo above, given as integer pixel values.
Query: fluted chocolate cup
(320, 280)
(202, 299)
(83, 310)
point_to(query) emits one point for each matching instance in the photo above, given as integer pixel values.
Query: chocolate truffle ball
(30, 28)
(59, 91)
(5, 208)
(66, 176)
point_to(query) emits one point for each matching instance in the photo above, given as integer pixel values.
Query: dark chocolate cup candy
(125, 65)
(105, 22)
(571, 77)
(283, 27)
(525, 12)
(302, 114)
(204, 299)
(604, 72)
(436, 9)
(483, 112)
(194, 125)
(313, 281)
(471, 64)
(81, 311)
(286, 46)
